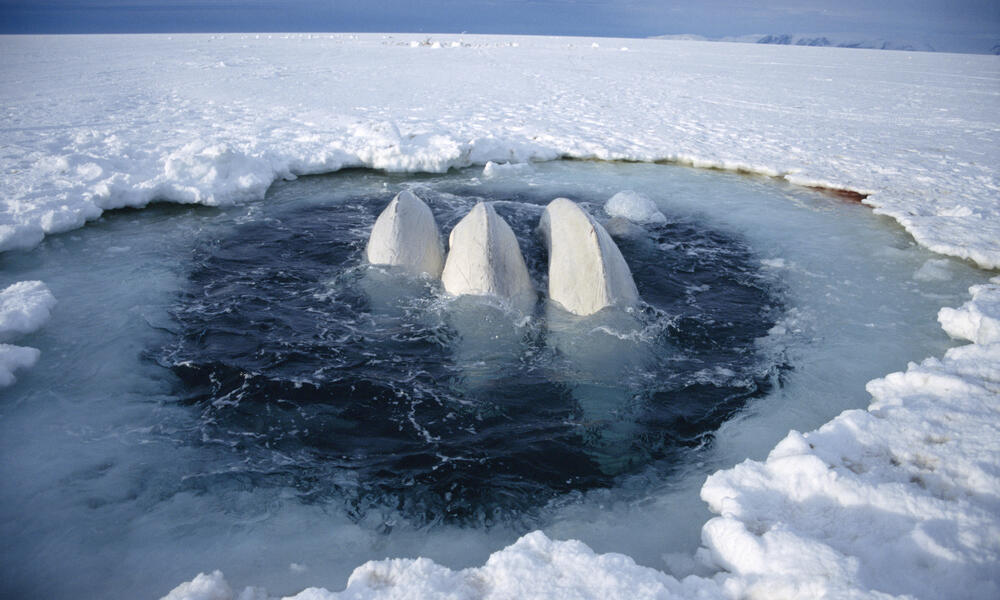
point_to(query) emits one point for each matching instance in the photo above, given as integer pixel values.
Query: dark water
(348, 384)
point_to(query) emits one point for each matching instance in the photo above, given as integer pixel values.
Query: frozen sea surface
(233, 388)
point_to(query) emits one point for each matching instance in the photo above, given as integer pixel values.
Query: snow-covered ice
(13, 358)
(978, 320)
(900, 499)
(24, 307)
(635, 207)
(85, 119)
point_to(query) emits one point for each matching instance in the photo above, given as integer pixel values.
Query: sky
(959, 25)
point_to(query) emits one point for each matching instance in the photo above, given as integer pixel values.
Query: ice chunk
(212, 586)
(485, 260)
(934, 269)
(24, 307)
(406, 235)
(978, 320)
(533, 567)
(13, 358)
(587, 272)
(492, 169)
(635, 207)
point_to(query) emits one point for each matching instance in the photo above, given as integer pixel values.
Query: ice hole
(465, 411)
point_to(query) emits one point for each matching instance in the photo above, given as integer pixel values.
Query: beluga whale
(406, 235)
(485, 260)
(600, 349)
(493, 298)
(587, 271)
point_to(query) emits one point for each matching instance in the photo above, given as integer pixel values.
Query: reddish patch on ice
(846, 195)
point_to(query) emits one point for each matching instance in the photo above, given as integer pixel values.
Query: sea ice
(533, 567)
(13, 358)
(506, 169)
(635, 207)
(24, 307)
(978, 320)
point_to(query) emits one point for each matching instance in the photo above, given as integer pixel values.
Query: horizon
(963, 26)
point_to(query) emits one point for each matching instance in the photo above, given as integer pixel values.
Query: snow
(635, 207)
(899, 488)
(586, 270)
(897, 499)
(406, 235)
(533, 567)
(485, 260)
(86, 133)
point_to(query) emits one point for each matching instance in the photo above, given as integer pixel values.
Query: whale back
(587, 271)
(484, 259)
(406, 235)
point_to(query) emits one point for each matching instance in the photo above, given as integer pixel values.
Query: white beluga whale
(587, 271)
(485, 260)
(406, 235)
(494, 296)
(599, 349)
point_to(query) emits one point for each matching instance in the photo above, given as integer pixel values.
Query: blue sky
(946, 24)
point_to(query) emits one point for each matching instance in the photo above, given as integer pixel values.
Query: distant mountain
(832, 40)
(788, 39)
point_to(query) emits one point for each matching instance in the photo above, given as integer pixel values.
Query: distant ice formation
(586, 270)
(485, 260)
(406, 235)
